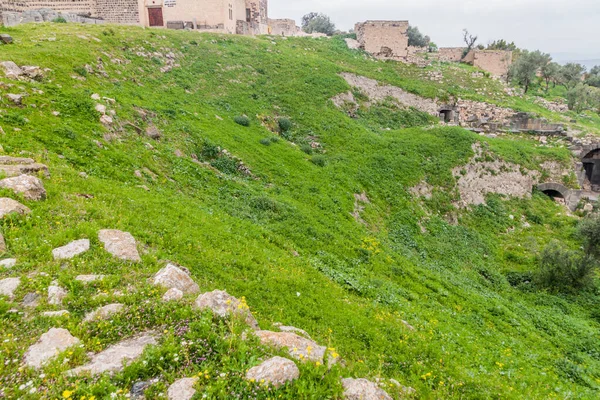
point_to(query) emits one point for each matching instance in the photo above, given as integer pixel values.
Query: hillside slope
(320, 227)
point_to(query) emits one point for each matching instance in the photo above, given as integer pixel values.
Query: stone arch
(556, 190)
(448, 113)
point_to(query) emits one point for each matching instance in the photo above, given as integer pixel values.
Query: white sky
(569, 29)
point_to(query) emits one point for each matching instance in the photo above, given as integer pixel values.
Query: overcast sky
(566, 28)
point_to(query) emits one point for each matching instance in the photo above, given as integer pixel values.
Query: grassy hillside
(281, 235)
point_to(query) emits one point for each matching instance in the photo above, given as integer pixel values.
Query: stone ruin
(384, 39)
(496, 62)
(12, 18)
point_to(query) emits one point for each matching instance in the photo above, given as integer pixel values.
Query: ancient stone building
(283, 27)
(496, 62)
(450, 54)
(384, 39)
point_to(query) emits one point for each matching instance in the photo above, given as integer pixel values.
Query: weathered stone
(152, 132)
(11, 70)
(96, 96)
(172, 277)
(32, 71)
(89, 278)
(362, 389)
(114, 357)
(8, 263)
(8, 287)
(120, 244)
(298, 347)
(104, 312)
(71, 250)
(30, 187)
(182, 389)
(173, 294)
(56, 295)
(17, 99)
(292, 329)
(51, 343)
(31, 300)
(5, 38)
(15, 166)
(223, 304)
(276, 371)
(10, 206)
(138, 389)
(101, 108)
(2, 244)
(55, 314)
(106, 120)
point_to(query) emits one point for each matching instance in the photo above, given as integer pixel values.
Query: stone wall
(118, 11)
(10, 18)
(450, 54)
(283, 27)
(81, 7)
(384, 39)
(496, 62)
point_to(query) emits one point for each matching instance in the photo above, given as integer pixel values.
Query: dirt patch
(423, 189)
(360, 200)
(482, 176)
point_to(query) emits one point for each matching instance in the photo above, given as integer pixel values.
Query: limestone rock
(182, 389)
(51, 343)
(8, 287)
(292, 329)
(54, 314)
(31, 300)
(11, 70)
(138, 389)
(101, 108)
(276, 371)
(173, 294)
(8, 263)
(15, 166)
(6, 39)
(152, 132)
(104, 312)
(106, 120)
(120, 244)
(89, 278)
(56, 295)
(31, 187)
(2, 244)
(112, 359)
(223, 304)
(17, 99)
(362, 389)
(10, 206)
(298, 347)
(71, 250)
(173, 277)
(32, 71)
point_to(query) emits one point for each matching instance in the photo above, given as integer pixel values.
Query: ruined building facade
(384, 39)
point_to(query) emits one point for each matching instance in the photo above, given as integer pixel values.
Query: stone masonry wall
(11, 18)
(384, 39)
(450, 54)
(496, 62)
(283, 27)
(81, 7)
(118, 11)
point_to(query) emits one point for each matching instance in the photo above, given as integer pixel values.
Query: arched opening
(555, 195)
(446, 115)
(591, 165)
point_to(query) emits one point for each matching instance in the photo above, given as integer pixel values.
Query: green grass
(283, 236)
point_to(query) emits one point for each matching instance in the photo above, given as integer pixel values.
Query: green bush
(265, 142)
(225, 165)
(80, 71)
(589, 230)
(284, 124)
(319, 160)
(563, 270)
(242, 120)
(210, 150)
(307, 149)
(59, 20)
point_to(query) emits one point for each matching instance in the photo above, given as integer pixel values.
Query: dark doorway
(591, 164)
(446, 115)
(555, 195)
(155, 17)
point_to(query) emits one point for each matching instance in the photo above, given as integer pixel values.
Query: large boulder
(120, 244)
(10, 206)
(173, 277)
(362, 389)
(104, 312)
(276, 371)
(223, 305)
(115, 357)
(71, 250)
(298, 347)
(30, 187)
(51, 343)
(11, 70)
(182, 389)
(8, 287)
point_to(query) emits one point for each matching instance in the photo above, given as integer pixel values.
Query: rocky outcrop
(182, 389)
(71, 250)
(11, 70)
(114, 357)
(15, 166)
(10, 206)
(362, 389)
(30, 187)
(120, 244)
(298, 347)
(104, 312)
(8, 287)
(223, 305)
(173, 277)
(276, 371)
(55, 341)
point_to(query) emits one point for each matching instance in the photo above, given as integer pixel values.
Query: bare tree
(470, 41)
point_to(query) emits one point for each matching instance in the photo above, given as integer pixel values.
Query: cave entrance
(591, 165)
(447, 115)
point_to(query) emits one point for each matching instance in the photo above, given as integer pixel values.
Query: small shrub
(284, 124)
(225, 165)
(274, 139)
(589, 230)
(265, 142)
(209, 150)
(242, 120)
(80, 71)
(265, 204)
(59, 20)
(563, 270)
(108, 32)
(319, 160)
(307, 149)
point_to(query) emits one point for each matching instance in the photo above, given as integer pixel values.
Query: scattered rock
(55, 314)
(11, 70)
(56, 295)
(30, 187)
(8, 263)
(152, 132)
(120, 244)
(8, 287)
(31, 300)
(5, 38)
(352, 44)
(55, 341)
(115, 357)
(276, 371)
(300, 348)
(106, 119)
(96, 96)
(292, 329)
(32, 71)
(71, 250)
(89, 278)
(104, 312)
(223, 304)
(10, 206)
(15, 166)
(182, 389)
(362, 389)
(173, 277)
(588, 208)
(2, 244)
(101, 108)
(138, 389)
(17, 99)
(173, 294)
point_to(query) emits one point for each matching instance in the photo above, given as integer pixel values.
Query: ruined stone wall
(82, 7)
(384, 39)
(12, 18)
(283, 27)
(496, 62)
(450, 54)
(118, 11)
(259, 15)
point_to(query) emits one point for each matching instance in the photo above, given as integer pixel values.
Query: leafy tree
(563, 270)
(580, 98)
(593, 78)
(589, 231)
(571, 74)
(502, 45)
(550, 73)
(416, 38)
(470, 41)
(524, 70)
(319, 23)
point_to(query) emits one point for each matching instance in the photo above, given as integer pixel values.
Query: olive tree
(318, 23)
